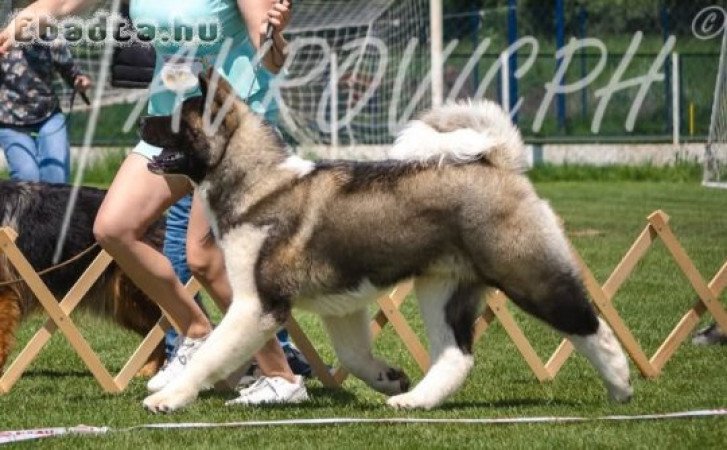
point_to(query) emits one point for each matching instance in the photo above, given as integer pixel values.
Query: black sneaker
(710, 335)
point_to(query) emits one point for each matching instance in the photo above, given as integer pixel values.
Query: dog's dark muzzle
(169, 162)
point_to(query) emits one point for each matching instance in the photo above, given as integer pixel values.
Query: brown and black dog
(35, 211)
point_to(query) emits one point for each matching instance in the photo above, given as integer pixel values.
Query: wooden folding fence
(389, 312)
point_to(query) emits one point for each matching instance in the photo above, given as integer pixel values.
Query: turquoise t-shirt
(172, 24)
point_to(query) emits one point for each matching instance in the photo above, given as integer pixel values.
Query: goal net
(357, 70)
(715, 157)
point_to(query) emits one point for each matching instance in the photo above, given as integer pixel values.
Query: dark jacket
(26, 83)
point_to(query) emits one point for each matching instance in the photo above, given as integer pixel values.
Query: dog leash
(69, 119)
(60, 265)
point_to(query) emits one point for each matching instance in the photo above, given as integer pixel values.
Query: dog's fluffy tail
(463, 132)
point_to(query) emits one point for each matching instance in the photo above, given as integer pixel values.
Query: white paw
(410, 401)
(168, 400)
(621, 394)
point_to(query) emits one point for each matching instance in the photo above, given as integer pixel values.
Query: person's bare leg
(207, 264)
(134, 201)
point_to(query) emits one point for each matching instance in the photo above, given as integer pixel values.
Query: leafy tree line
(603, 16)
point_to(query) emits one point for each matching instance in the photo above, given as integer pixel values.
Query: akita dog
(452, 209)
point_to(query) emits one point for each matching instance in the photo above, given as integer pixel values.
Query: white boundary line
(24, 435)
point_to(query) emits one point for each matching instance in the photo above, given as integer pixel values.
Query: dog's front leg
(242, 331)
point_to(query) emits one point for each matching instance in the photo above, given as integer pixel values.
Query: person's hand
(19, 29)
(82, 83)
(16, 29)
(6, 40)
(278, 16)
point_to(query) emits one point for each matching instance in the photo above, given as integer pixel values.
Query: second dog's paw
(392, 382)
(410, 401)
(168, 400)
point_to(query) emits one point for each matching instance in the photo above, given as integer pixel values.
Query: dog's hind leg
(561, 302)
(351, 337)
(10, 314)
(567, 309)
(526, 255)
(603, 350)
(537, 271)
(448, 310)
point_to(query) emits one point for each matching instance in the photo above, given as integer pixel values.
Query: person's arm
(39, 11)
(258, 14)
(65, 65)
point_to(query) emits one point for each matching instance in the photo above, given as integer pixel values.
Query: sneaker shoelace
(181, 351)
(173, 355)
(185, 349)
(259, 385)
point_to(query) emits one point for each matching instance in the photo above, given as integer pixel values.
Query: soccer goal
(715, 156)
(357, 70)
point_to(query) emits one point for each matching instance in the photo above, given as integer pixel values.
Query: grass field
(602, 220)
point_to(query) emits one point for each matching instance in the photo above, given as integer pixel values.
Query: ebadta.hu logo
(105, 26)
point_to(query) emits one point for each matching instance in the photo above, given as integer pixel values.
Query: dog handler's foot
(185, 349)
(272, 390)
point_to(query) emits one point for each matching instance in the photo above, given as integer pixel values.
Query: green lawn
(602, 219)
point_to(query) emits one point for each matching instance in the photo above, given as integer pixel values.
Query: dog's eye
(194, 138)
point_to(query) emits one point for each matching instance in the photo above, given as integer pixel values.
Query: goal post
(436, 24)
(383, 74)
(715, 155)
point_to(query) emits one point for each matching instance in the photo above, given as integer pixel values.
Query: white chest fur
(341, 304)
(202, 189)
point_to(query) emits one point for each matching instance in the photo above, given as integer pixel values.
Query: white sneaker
(246, 381)
(268, 390)
(186, 347)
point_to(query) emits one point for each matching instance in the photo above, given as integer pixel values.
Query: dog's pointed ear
(204, 80)
(220, 97)
(223, 89)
